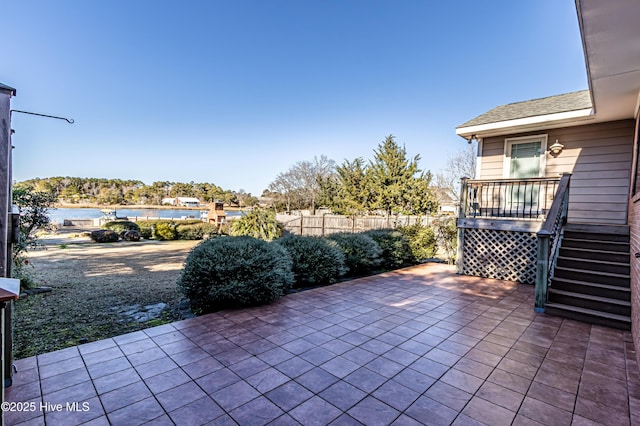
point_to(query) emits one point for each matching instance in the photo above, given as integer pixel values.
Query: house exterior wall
(598, 156)
(634, 222)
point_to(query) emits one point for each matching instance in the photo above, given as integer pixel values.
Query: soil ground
(92, 285)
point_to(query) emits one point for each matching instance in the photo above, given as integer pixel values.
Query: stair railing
(549, 241)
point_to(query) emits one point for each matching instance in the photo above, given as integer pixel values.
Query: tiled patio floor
(417, 346)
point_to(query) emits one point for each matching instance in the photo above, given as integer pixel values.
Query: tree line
(390, 183)
(75, 190)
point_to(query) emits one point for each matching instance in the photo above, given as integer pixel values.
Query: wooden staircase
(591, 280)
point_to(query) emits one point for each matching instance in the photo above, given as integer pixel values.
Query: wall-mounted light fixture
(556, 148)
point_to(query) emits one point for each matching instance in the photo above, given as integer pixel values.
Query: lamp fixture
(556, 148)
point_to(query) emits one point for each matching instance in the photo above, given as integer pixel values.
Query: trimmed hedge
(361, 251)
(396, 251)
(422, 241)
(196, 231)
(121, 226)
(315, 260)
(234, 271)
(258, 223)
(164, 231)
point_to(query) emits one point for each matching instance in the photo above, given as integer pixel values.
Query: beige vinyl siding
(598, 156)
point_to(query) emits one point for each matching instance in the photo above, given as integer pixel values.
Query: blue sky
(234, 92)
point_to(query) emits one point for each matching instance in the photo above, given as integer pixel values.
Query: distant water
(58, 215)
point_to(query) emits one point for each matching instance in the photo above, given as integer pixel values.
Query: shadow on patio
(416, 346)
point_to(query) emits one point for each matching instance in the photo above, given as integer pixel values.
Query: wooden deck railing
(549, 241)
(508, 198)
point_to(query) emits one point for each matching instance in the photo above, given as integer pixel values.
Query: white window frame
(509, 142)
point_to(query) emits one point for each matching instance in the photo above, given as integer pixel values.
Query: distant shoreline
(136, 207)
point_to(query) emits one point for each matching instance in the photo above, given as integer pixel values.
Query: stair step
(594, 244)
(589, 301)
(622, 280)
(582, 253)
(622, 322)
(594, 289)
(594, 265)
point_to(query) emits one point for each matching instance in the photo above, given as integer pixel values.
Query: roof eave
(538, 122)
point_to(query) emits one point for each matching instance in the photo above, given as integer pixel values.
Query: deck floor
(416, 346)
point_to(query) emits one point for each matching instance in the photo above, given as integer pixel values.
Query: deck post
(542, 271)
(461, 215)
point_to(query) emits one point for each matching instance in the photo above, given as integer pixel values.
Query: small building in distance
(181, 201)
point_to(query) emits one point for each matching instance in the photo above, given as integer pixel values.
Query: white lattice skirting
(504, 255)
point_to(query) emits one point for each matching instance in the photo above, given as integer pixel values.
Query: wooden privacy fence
(331, 224)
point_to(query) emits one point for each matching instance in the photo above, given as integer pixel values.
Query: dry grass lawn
(92, 284)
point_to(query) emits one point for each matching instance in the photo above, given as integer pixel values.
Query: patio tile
(475, 368)
(234, 395)
(488, 413)
(289, 395)
(80, 392)
(198, 412)
(217, 380)
(507, 398)
(342, 395)
(429, 367)
(60, 367)
(114, 381)
(156, 367)
(80, 416)
(443, 357)
(145, 356)
(359, 355)
(448, 395)
(396, 395)
(126, 395)
(552, 396)
(401, 356)
(426, 408)
(385, 367)
(365, 379)
(294, 367)
(299, 346)
(108, 367)
(167, 380)
(544, 413)
(98, 345)
(248, 367)
(414, 380)
(179, 396)
(275, 356)
(316, 380)
(28, 391)
(260, 411)
(315, 411)
(339, 366)
(510, 381)
(462, 380)
(57, 356)
(371, 411)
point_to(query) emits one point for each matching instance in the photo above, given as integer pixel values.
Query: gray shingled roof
(5, 87)
(552, 105)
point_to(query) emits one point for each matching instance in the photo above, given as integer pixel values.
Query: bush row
(244, 271)
(165, 230)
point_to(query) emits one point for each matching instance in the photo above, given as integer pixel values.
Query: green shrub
(396, 251)
(446, 232)
(422, 240)
(315, 260)
(195, 231)
(146, 230)
(362, 252)
(121, 226)
(104, 236)
(234, 271)
(258, 223)
(164, 231)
